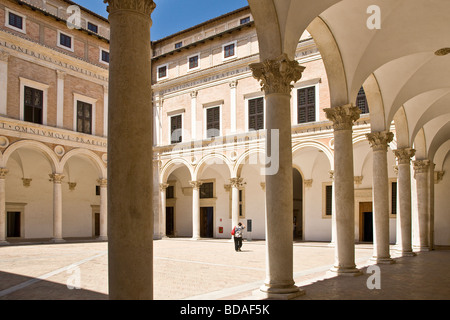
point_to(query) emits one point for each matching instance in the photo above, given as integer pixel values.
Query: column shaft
(130, 148)
(195, 209)
(162, 223)
(103, 209)
(276, 77)
(379, 142)
(421, 175)
(344, 198)
(57, 207)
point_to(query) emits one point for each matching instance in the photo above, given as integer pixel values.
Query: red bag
(232, 231)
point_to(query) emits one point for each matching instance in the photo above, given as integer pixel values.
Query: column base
(54, 240)
(341, 271)
(102, 238)
(382, 260)
(4, 243)
(406, 253)
(422, 249)
(270, 293)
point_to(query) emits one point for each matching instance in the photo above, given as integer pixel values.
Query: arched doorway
(298, 204)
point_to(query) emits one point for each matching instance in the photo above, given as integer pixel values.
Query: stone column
(3, 173)
(333, 213)
(105, 110)
(195, 209)
(404, 229)
(130, 148)
(421, 168)
(344, 197)
(379, 142)
(276, 77)
(236, 183)
(233, 110)
(4, 57)
(56, 178)
(103, 209)
(162, 220)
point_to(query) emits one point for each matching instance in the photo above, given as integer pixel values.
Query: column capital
(194, 94)
(163, 186)
(404, 155)
(3, 173)
(380, 140)
(56, 177)
(102, 182)
(4, 56)
(196, 184)
(421, 166)
(275, 76)
(343, 117)
(60, 74)
(141, 6)
(237, 182)
(233, 84)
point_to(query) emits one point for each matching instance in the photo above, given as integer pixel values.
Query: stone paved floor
(212, 270)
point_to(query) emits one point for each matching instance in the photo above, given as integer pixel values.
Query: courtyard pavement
(211, 270)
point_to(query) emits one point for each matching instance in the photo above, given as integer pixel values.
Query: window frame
(170, 116)
(325, 185)
(297, 107)
(38, 86)
(93, 24)
(205, 116)
(24, 21)
(158, 78)
(101, 56)
(189, 63)
(72, 43)
(234, 56)
(78, 97)
(247, 112)
(391, 211)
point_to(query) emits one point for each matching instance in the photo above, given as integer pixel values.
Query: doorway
(207, 222)
(13, 225)
(97, 224)
(170, 221)
(297, 204)
(366, 221)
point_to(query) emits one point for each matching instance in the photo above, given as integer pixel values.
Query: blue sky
(171, 16)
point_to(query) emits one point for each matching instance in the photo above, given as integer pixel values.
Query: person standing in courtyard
(237, 233)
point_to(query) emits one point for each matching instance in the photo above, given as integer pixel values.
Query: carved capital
(26, 182)
(4, 56)
(195, 184)
(357, 180)
(3, 173)
(343, 117)
(438, 175)
(72, 185)
(194, 94)
(141, 6)
(308, 183)
(421, 166)
(163, 186)
(102, 182)
(380, 140)
(276, 76)
(233, 84)
(404, 155)
(331, 173)
(56, 177)
(60, 74)
(237, 182)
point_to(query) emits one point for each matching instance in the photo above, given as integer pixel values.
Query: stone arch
(376, 105)
(166, 170)
(48, 153)
(401, 129)
(420, 145)
(315, 144)
(90, 155)
(211, 157)
(248, 154)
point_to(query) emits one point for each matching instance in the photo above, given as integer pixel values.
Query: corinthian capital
(380, 140)
(421, 166)
(142, 6)
(56, 177)
(276, 76)
(3, 173)
(195, 184)
(404, 155)
(237, 182)
(343, 117)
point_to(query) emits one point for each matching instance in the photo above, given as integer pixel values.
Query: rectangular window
(65, 40)
(193, 62)
(33, 105)
(306, 105)
(176, 127)
(241, 203)
(213, 122)
(228, 51)
(170, 192)
(207, 190)
(256, 114)
(97, 190)
(105, 56)
(245, 20)
(394, 198)
(84, 117)
(328, 200)
(92, 27)
(361, 101)
(15, 21)
(162, 72)
(178, 45)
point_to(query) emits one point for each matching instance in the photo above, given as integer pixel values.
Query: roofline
(201, 24)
